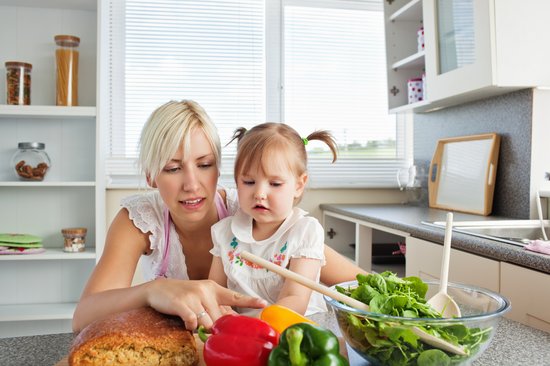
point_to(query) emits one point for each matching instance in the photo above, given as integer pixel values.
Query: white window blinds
(327, 58)
(335, 79)
(208, 51)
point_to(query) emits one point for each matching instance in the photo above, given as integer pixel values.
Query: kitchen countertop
(408, 219)
(513, 344)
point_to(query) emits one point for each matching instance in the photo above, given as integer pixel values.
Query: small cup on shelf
(415, 90)
(74, 239)
(18, 83)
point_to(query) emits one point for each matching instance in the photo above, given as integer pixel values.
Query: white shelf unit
(404, 61)
(41, 291)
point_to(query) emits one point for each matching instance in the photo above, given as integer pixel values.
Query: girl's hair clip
(304, 140)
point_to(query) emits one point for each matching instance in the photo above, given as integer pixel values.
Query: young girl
(270, 172)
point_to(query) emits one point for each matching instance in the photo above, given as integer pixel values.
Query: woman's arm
(338, 268)
(109, 290)
(294, 295)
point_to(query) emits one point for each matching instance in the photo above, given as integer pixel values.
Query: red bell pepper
(238, 340)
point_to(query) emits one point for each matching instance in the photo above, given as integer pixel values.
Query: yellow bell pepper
(280, 317)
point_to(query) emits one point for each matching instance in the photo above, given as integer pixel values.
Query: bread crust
(136, 337)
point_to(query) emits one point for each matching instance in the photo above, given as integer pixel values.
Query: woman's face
(187, 184)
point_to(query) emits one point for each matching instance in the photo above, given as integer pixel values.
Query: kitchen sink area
(516, 232)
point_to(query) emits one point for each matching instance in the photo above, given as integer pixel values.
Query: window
(312, 64)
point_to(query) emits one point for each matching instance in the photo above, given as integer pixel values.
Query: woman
(180, 154)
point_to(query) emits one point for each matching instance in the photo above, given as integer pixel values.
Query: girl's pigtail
(237, 135)
(326, 137)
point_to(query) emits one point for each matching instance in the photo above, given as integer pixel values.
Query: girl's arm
(296, 296)
(338, 268)
(217, 274)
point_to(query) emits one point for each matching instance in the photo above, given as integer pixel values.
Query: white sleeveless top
(147, 213)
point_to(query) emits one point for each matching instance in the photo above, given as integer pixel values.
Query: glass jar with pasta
(66, 60)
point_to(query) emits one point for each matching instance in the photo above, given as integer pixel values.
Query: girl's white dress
(299, 236)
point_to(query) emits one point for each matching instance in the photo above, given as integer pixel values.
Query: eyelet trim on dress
(143, 215)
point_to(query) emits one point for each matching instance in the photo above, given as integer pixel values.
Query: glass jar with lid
(18, 83)
(74, 239)
(30, 161)
(66, 61)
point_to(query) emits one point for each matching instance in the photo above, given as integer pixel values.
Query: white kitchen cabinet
(404, 59)
(482, 48)
(40, 291)
(360, 233)
(424, 261)
(527, 290)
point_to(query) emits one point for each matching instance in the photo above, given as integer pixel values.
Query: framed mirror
(462, 173)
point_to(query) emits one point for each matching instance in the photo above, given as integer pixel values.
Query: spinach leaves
(395, 344)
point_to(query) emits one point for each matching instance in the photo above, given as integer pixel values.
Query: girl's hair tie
(304, 140)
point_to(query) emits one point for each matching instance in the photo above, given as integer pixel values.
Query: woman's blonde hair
(257, 146)
(170, 127)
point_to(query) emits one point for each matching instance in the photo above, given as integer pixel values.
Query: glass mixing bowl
(388, 340)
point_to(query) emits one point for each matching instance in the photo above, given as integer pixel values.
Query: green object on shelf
(20, 240)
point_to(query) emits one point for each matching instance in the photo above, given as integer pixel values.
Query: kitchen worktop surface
(408, 219)
(513, 344)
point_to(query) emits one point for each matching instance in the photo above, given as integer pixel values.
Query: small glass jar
(66, 61)
(74, 239)
(31, 162)
(18, 83)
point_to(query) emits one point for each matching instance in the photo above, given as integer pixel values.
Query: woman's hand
(195, 302)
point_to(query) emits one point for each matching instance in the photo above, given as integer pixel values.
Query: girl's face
(187, 184)
(268, 194)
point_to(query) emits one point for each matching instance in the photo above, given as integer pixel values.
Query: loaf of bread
(136, 337)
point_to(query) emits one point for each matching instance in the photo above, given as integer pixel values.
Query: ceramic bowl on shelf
(384, 339)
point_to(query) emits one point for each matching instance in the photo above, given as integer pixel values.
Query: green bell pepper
(307, 344)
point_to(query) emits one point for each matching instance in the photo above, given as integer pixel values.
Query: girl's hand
(195, 302)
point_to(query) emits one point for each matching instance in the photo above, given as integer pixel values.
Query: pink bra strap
(222, 213)
(220, 206)
(164, 264)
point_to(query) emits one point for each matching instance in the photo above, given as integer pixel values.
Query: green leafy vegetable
(395, 344)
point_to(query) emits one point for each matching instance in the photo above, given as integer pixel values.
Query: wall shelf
(411, 62)
(51, 254)
(409, 12)
(46, 111)
(47, 184)
(404, 60)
